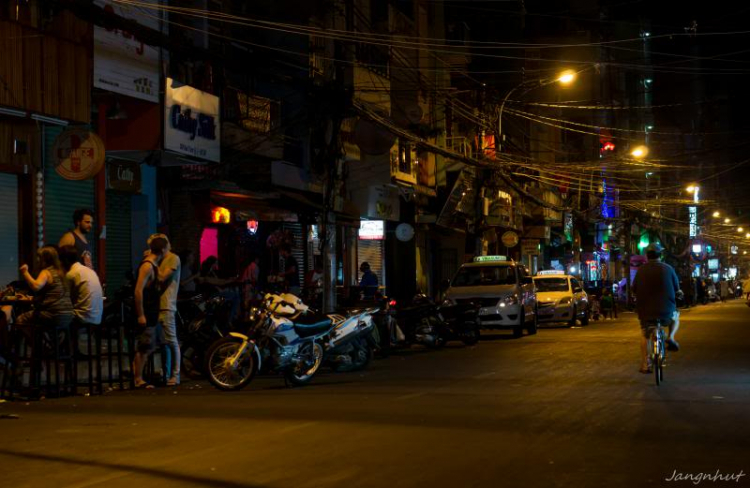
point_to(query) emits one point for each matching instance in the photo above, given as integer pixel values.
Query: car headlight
(564, 301)
(509, 300)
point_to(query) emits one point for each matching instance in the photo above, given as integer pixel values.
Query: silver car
(503, 291)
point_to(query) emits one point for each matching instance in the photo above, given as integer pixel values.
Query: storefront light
(220, 215)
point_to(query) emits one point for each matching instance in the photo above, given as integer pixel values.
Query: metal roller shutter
(118, 239)
(372, 252)
(9, 236)
(62, 197)
(298, 248)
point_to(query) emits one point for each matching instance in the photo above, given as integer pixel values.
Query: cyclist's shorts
(649, 324)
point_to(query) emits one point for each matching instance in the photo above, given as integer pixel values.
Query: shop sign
(404, 232)
(693, 213)
(383, 203)
(530, 247)
(538, 232)
(372, 230)
(124, 176)
(191, 122)
(122, 63)
(510, 239)
(79, 154)
(713, 264)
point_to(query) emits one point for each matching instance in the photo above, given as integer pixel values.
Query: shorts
(646, 325)
(149, 336)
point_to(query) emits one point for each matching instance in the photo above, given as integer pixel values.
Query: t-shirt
(86, 294)
(84, 251)
(171, 287)
(655, 287)
(607, 302)
(369, 284)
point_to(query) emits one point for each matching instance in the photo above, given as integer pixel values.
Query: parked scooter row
(287, 337)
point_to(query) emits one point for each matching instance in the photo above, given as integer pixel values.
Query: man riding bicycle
(656, 286)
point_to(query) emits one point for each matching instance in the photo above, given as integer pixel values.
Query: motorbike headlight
(564, 301)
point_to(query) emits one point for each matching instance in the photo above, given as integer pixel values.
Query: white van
(503, 291)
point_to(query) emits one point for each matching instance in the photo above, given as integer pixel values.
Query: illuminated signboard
(484, 259)
(550, 272)
(693, 212)
(372, 230)
(713, 263)
(697, 248)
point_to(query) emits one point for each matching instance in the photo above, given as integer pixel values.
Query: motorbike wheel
(299, 377)
(471, 336)
(221, 374)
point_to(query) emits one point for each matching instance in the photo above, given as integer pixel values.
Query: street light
(717, 214)
(565, 78)
(727, 220)
(639, 152)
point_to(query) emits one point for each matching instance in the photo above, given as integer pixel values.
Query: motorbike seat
(306, 330)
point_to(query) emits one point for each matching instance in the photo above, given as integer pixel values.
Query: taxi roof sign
(484, 259)
(549, 272)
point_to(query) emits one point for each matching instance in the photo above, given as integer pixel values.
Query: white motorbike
(285, 337)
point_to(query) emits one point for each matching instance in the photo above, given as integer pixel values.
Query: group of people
(66, 289)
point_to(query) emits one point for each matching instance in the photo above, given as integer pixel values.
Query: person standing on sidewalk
(147, 297)
(169, 283)
(83, 222)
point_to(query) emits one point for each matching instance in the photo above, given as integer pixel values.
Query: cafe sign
(124, 176)
(78, 154)
(191, 122)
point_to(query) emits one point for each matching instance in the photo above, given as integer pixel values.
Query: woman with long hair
(52, 305)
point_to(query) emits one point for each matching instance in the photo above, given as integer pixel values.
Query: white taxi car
(501, 289)
(560, 298)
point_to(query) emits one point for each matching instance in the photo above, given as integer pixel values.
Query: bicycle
(657, 339)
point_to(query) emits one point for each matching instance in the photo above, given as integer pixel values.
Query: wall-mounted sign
(693, 218)
(713, 263)
(372, 230)
(79, 154)
(124, 176)
(404, 232)
(383, 203)
(191, 122)
(510, 239)
(122, 63)
(530, 247)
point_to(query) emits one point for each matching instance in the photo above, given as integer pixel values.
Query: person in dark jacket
(656, 286)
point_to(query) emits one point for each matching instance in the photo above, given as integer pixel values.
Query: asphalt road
(566, 407)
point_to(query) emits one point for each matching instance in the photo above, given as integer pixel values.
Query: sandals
(143, 385)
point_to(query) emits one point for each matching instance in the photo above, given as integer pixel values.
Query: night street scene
(374, 243)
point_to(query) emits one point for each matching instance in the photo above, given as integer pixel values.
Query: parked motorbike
(461, 323)
(419, 322)
(200, 322)
(286, 337)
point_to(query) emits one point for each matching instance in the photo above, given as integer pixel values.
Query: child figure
(595, 307)
(608, 304)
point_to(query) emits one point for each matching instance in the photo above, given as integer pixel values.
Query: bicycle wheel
(656, 357)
